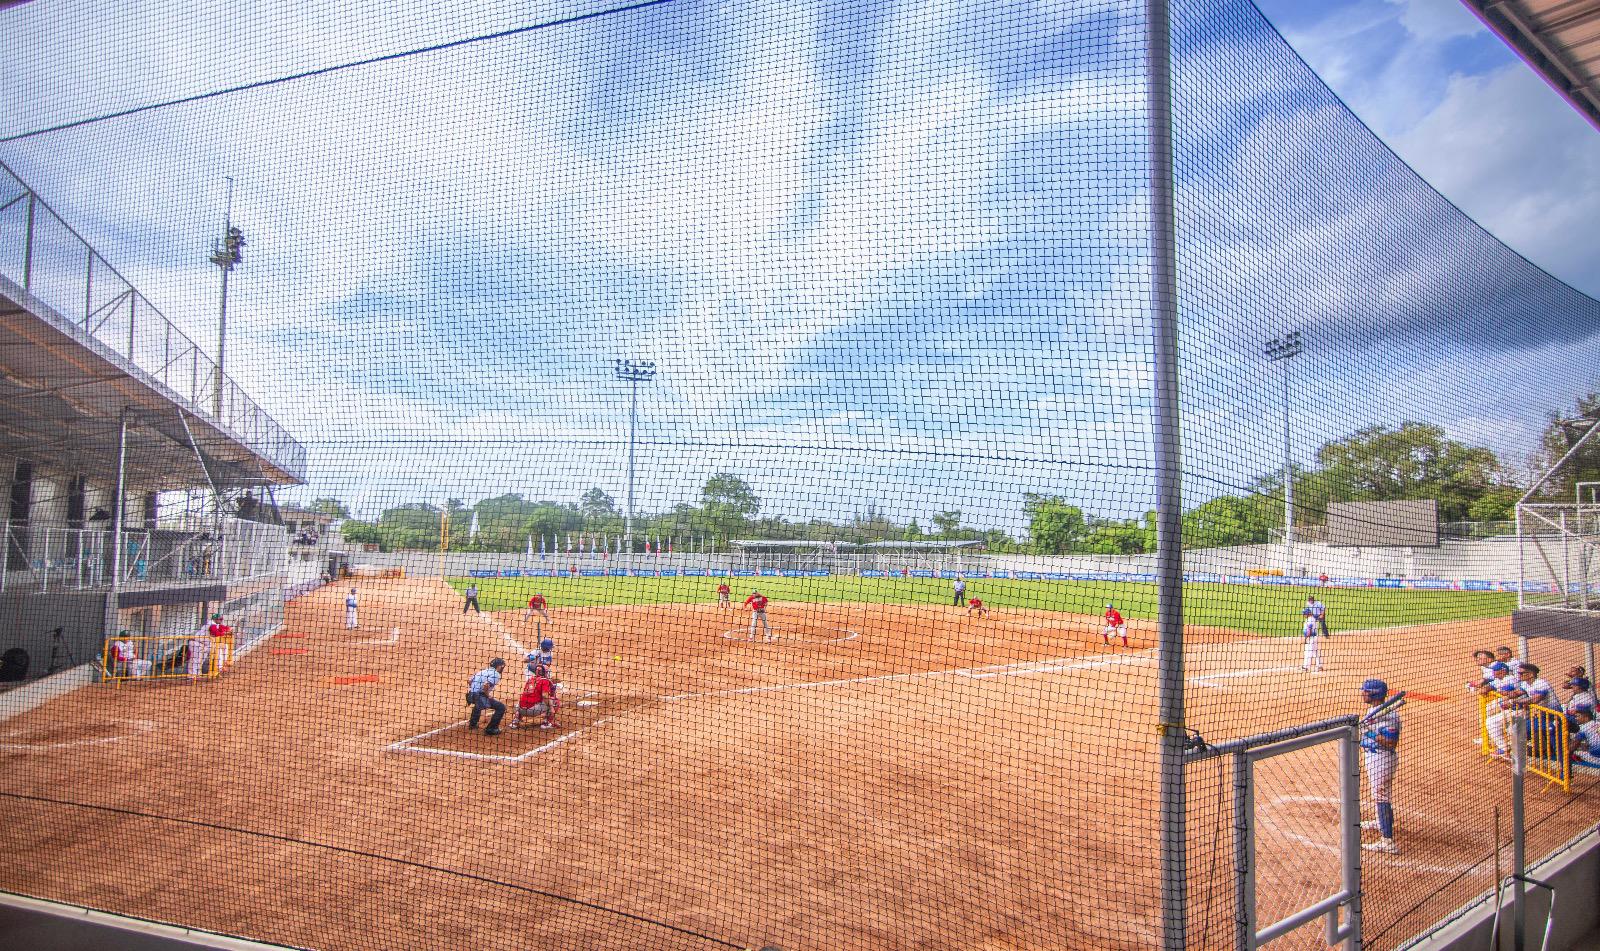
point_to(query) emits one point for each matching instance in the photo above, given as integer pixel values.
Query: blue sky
(885, 254)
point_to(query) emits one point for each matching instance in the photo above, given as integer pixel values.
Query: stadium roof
(1560, 39)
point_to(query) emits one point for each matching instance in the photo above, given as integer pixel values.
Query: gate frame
(1246, 752)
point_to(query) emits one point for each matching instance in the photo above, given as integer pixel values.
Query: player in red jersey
(538, 699)
(756, 604)
(537, 603)
(725, 596)
(1114, 625)
(975, 606)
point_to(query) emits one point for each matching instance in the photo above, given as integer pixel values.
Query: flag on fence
(569, 543)
(669, 546)
(541, 545)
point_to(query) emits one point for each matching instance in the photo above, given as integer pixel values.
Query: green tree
(728, 504)
(597, 505)
(1054, 526)
(361, 533)
(1231, 520)
(1562, 432)
(913, 531)
(1416, 461)
(329, 506)
(948, 523)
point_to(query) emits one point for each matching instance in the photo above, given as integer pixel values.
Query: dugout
(139, 478)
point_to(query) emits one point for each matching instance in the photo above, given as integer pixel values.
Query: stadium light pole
(632, 372)
(225, 256)
(1283, 350)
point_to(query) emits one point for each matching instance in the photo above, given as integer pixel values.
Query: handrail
(175, 361)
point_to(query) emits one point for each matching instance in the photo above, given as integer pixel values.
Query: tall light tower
(633, 372)
(1283, 350)
(225, 256)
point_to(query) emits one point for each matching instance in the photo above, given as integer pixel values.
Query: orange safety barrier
(164, 657)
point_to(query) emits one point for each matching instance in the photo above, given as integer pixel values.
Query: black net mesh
(788, 370)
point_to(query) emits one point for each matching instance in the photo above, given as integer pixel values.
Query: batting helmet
(547, 645)
(1374, 690)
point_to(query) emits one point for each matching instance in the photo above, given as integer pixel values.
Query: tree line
(1375, 464)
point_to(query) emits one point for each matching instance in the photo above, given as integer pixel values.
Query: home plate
(588, 703)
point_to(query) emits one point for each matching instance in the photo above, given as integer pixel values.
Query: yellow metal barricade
(1485, 745)
(164, 657)
(1549, 747)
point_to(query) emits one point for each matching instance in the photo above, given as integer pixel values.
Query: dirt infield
(879, 777)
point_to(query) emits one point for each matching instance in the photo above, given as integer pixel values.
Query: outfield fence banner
(888, 447)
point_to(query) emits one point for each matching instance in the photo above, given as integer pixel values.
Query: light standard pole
(634, 372)
(1283, 350)
(225, 256)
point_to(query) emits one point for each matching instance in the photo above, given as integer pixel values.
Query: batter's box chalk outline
(1205, 680)
(409, 744)
(1264, 817)
(390, 641)
(778, 638)
(140, 728)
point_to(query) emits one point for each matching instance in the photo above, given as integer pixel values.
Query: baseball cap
(1375, 686)
(1580, 683)
(1499, 668)
(216, 617)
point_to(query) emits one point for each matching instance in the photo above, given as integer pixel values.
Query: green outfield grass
(1271, 610)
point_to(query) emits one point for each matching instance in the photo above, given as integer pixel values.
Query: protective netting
(788, 369)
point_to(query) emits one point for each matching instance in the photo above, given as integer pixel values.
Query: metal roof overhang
(1560, 39)
(62, 395)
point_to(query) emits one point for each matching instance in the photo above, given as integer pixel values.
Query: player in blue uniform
(1380, 738)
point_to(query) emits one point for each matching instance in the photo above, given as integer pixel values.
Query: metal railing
(43, 256)
(51, 558)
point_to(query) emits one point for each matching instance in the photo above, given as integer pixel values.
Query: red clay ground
(934, 781)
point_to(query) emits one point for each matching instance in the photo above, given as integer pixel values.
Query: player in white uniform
(1380, 739)
(1485, 660)
(1311, 632)
(350, 622)
(1586, 745)
(1582, 693)
(1537, 690)
(1500, 712)
(1506, 656)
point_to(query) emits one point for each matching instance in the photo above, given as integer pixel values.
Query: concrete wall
(26, 621)
(1574, 871)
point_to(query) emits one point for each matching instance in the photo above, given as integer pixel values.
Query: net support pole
(1169, 480)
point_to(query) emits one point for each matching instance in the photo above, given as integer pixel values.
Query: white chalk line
(1204, 680)
(140, 727)
(1264, 818)
(390, 641)
(407, 745)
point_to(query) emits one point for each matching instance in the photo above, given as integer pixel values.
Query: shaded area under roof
(1560, 39)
